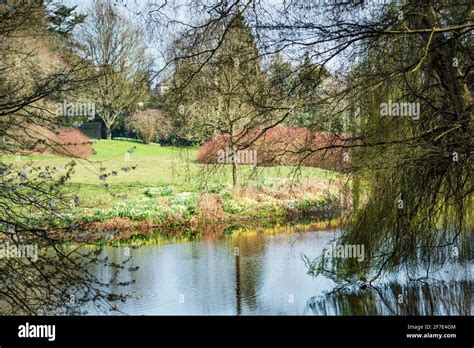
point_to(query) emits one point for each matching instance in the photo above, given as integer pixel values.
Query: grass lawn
(156, 166)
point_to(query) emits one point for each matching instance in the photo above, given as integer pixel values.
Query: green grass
(156, 166)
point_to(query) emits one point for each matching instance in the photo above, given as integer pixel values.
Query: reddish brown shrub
(284, 145)
(145, 226)
(211, 207)
(62, 141)
(116, 224)
(207, 153)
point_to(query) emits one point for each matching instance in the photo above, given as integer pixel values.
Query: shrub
(148, 124)
(61, 141)
(286, 146)
(211, 206)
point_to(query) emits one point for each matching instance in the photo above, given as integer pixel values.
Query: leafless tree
(114, 48)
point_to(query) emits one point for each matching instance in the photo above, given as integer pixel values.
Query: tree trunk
(235, 177)
(109, 134)
(450, 76)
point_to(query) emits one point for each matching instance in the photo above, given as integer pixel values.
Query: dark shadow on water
(443, 298)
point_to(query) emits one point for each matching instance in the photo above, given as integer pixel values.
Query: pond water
(261, 273)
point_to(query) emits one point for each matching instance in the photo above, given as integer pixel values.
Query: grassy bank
(162, 190)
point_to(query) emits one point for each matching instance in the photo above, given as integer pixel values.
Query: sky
(136, 12)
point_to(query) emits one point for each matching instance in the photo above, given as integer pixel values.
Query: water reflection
(444, 298)
(262, 272)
